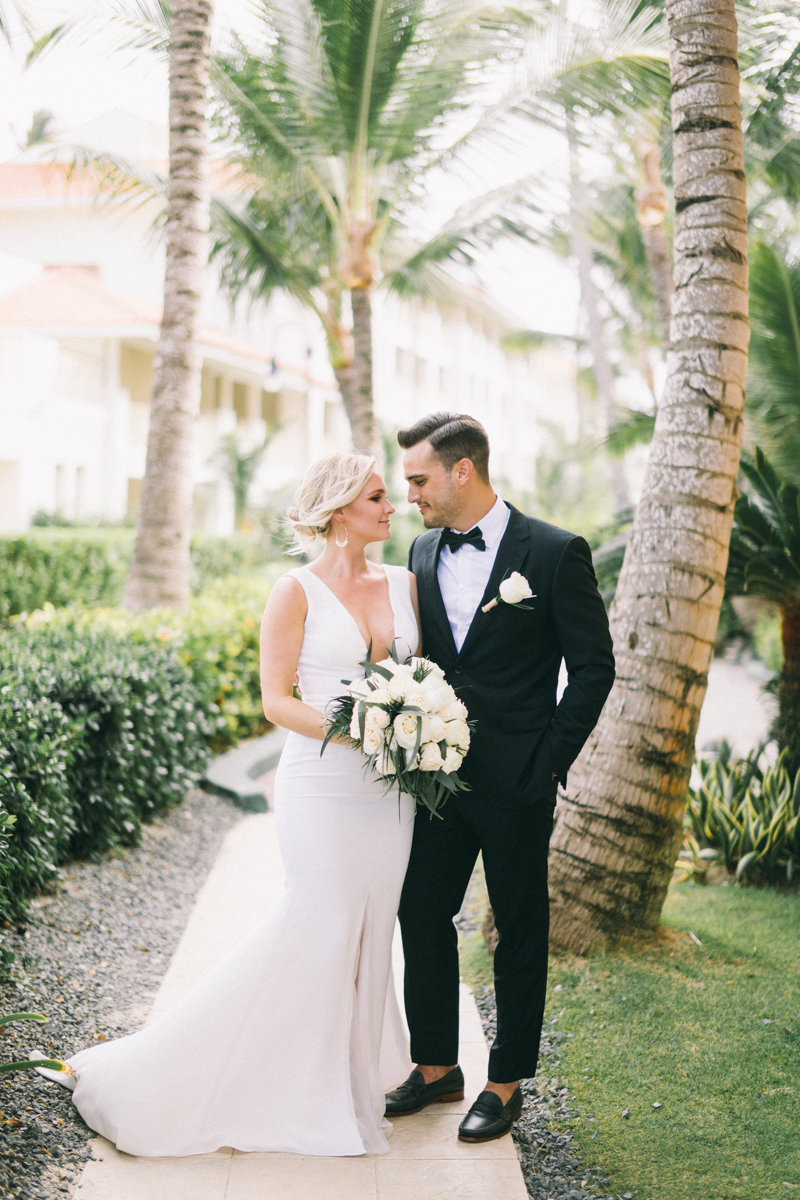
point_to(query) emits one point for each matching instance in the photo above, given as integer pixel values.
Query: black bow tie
(456, 540)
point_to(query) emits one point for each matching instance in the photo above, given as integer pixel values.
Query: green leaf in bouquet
(445, 781)
(362, 718)
(443, 748)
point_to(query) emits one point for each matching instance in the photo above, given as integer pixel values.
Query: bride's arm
(281, 641)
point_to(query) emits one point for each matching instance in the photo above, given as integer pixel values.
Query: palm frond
(773, 385)
(634, 430)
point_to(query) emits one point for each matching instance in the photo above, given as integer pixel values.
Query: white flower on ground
(430, 758)
(457, 734)
(405, 730)
(453, 760)
(457, 711)
(515, 588)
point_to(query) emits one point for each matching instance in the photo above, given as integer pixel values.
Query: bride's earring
(341, 545)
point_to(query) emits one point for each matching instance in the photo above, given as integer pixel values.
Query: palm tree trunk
(651, 209)
(358, 402)
(601, 365)
(159, 573)
(787, 725)
(619, 830)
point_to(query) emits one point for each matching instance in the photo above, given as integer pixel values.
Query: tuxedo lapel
(433, 602)
(514, 545)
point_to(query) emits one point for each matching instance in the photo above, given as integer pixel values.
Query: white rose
(405, 730)
(399, 686)
(412, 760)
(430, 758)
(457, 711)
(515, 588)
(453, 760)
(389, 664)
(457, 734)
(377, 718)
(360, 688)
(355, 725)
(441, 696)
(435, 728)
(418, 698)
(380, 696)
(385, 764)
(373, 740)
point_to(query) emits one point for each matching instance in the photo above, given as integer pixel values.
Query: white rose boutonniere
(513, 590)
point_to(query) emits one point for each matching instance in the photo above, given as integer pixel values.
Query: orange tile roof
(73, 295)
(66, 296)
(57, 181)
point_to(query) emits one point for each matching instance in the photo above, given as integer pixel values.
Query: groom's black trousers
(514, 843)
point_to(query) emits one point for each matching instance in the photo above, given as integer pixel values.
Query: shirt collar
(493, 525)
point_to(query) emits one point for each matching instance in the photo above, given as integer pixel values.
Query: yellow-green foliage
(767, 641)
(217, 639)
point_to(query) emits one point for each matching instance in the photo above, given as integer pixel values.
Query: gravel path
(91, 958)
(550, 1165)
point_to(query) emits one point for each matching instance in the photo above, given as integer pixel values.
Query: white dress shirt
(463, 575)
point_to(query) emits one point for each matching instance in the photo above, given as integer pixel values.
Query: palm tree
(765, 561)
(335, 121)
(159, 572)
(338, 123)
(618, 831)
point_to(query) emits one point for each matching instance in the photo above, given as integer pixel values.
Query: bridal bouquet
(408, 722)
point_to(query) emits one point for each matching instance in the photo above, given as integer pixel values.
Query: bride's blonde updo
(328, 484)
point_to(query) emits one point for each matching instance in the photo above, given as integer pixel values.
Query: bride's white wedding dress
(289, 1043)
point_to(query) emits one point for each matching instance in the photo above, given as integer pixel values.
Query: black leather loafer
(415, 1094)
(488, 1119)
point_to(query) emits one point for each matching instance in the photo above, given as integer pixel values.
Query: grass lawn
(712, 1032)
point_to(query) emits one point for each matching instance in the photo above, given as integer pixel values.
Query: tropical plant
(746, 813)
(773, 383)
(240, 467)
(159, 573)
(619, 829)
(337, 119)
(765, 561)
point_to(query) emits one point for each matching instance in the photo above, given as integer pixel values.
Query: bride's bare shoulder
(287, 598)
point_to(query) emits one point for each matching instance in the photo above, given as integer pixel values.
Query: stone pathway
(425, 1162)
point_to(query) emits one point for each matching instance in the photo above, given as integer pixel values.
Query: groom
(504, 664)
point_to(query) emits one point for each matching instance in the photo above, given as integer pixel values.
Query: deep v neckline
(352, 618)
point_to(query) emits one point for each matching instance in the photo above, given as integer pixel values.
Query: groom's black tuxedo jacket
(507, 669)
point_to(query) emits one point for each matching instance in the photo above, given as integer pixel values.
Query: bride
(290, 1043)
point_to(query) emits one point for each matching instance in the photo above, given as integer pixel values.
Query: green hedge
(107, 717)
(88, 566)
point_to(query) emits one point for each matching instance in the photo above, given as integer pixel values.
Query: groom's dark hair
(452, 436)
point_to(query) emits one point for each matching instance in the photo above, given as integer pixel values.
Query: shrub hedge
(107, 717)
(88, 566)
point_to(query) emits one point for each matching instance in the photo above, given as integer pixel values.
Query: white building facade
(80, 291)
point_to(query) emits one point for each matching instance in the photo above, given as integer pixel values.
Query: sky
(83, 77)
